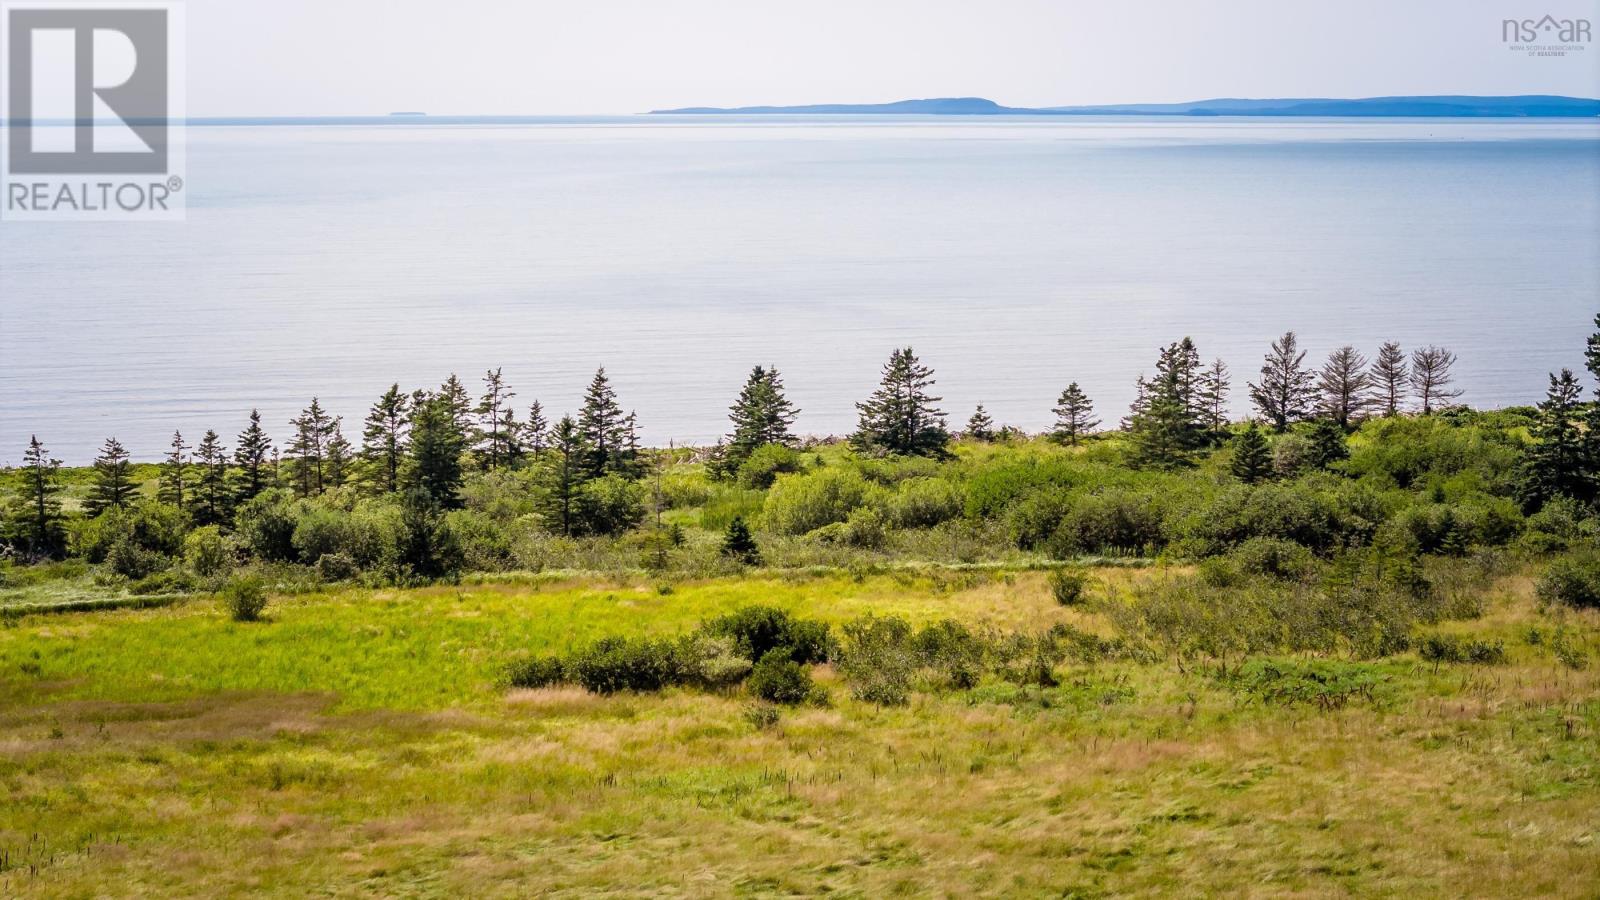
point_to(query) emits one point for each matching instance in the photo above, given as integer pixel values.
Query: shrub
(762, 716)
(622, 664)
(924, 503)
(778, 679)
(1324, 683)
(1293, 454)
(610, 505)
(244, 599)
(867, 528)
(994, 488)
(1113, 522)
(877, 659)
(485, 544)
(207, 551)
(332, 567)
(132, 561)
(536, 672)
(798, 504)
(167, 581)
(1274, 558)
(266, 524)
(764, 464)
(952, 651)
(738, 544)
(1573, 581)
(319, 530)
(1560, 524)
(758, 630)
(1437, 648)
(711, 662)
(1067, 585)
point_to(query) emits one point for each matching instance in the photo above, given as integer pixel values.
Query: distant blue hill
(1532, 105)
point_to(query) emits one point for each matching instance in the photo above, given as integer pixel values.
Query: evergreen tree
(459, 402)
(1164, 428)
(427, 548)
(308, 450)
(1214, 388)
(1591, 352)
(1555, 466)
(173, 487)
(900, 416)
(113, 486)
(738, 544)
(1390, 375)
(1180, 363)
(1074, 416)
(1252, 459)
(495, 443)
(762, 415)
(213, 501)
(251, 455)
(511, 437)
(1431, 378)
(1285, 390)
(37, 521)
(1346, 385)
(602, 427)
(437, 443)
(980, 427)
(536, 431)
(387, 438)
(339, 453)
(1327, 443)
(564, 476)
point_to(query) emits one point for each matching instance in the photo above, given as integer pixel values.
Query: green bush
(778, 679)
(536, 672)
(1115, 522)
(764, 464)
(712, 662)
(798, 504)
(951, 651)
(759, 630)
(168, 581)
(266, 524)
(485, 544)
(132, 561)
(1324, 683)
(1437, 648)
(335, 567)
(610, 505)
(1067, 586)
(1572, 580)
(244, 599)
(924, 503)
(615, 664)
(208, 552)
(1274, 558)
(762, 716)
(1562, 523)
(319, 530)
(877, 659)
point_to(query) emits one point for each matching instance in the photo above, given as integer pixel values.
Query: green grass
(356, 744)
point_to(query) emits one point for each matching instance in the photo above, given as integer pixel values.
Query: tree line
(420, 445)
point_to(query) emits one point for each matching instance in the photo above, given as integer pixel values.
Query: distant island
(1526, 106)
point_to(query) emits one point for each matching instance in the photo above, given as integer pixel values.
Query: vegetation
(1187, 654)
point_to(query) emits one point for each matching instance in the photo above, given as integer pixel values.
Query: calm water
(1015, 254)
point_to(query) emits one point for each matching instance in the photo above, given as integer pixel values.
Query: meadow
(362, 741)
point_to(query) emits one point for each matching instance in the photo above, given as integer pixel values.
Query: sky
(529, 57)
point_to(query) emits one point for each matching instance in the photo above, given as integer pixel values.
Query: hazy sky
(616, 56)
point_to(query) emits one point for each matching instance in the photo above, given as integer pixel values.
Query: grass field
(357, 743)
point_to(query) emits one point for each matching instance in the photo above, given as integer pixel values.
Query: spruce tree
(1556, 464)
(437, 443)
(738, 544)
(1164, 429)
(980, 427)
(1074, 416)
(459, 402)
(762, 415)
(564, 476)
(1328, 445)
(308, 450)
(1431, 378)
(38, 517)
(251, 454)
(602, 427)
(511, 437)
(1591, 352)
(900, 416)
(386, 439)
(1284, 393)
(173, 487)
(213, 502)
(1346, 386)
(1252, 459)
(339, 454)
(495, 441)
(1180, 362)
(1214, 388)
(536, 431)
(113, 486)
(1390, 375)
